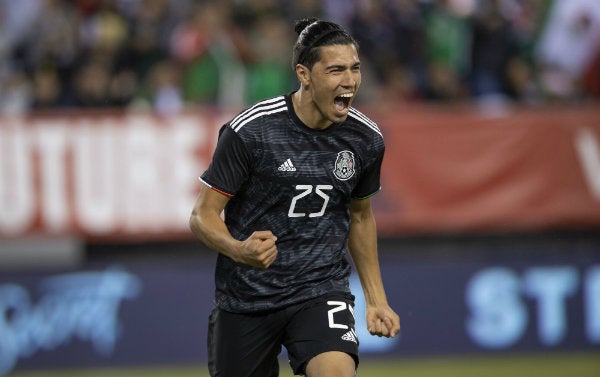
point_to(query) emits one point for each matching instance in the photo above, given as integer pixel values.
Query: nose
(350, 78)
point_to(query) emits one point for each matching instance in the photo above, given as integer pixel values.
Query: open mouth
(342, 101)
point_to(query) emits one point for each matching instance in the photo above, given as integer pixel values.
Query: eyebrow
(341, 66)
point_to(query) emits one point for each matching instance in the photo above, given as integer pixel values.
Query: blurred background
(170, 54)
(488, 218)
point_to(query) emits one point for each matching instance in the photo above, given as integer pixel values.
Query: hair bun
(302, 24)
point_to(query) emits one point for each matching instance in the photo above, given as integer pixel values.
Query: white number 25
(306, 190)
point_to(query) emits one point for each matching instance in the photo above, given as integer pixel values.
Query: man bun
(314, 33)
(302, 24)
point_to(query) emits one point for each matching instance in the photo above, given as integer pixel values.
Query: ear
(303, 74)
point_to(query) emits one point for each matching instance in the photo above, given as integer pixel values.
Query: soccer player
(294, 175)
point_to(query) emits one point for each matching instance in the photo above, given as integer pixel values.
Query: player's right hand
(258, 250)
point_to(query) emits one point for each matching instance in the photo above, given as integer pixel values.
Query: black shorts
(249, 344)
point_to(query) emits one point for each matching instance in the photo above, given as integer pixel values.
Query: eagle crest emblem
(344, 165)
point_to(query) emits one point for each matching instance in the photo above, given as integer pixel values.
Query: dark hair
(313, 33)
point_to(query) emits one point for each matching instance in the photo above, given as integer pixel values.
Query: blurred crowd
(170, 54)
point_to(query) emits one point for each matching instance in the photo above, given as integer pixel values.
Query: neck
(308, 112)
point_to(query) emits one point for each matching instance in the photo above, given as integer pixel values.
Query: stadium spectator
(151, 25)
(268, 70)
(376, 34)
(212, 51)
(15, 93)
(163, 89)
(91, 85)
(492, 48)
(47, 91)
(447, 47)
(54, 41)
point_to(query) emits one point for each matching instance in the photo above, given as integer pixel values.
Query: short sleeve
(369, 183)
(230, 165)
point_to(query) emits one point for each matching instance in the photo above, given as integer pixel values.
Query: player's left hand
(383, 321)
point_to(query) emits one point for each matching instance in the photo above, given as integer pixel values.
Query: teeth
(346, 95)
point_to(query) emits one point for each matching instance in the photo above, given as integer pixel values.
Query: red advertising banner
(103, 175)
(107, 175)
(452, 170)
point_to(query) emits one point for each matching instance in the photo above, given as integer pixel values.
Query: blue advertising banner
(533, 302)
(107, 314)
(475, 297)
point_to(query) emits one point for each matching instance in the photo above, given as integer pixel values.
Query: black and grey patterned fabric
(297, 182)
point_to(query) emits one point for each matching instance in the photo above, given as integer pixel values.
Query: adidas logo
(350, 336)
(287, 166)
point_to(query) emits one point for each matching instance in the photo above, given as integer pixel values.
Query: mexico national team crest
(344, 165)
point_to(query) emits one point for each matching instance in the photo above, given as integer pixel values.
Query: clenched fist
(258, 250)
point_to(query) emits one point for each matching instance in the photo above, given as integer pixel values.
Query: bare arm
(258, 250)
(362, 244)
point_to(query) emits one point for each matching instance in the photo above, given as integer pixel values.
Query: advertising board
(453, 298)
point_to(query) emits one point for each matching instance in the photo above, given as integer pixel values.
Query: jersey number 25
(306, 190)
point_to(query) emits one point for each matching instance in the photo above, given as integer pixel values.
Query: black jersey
(297, 182)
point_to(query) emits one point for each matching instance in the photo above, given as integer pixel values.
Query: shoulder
(366, 129)
(364, 123)
(259, 114)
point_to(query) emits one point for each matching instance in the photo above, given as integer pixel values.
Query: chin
(339, 118)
